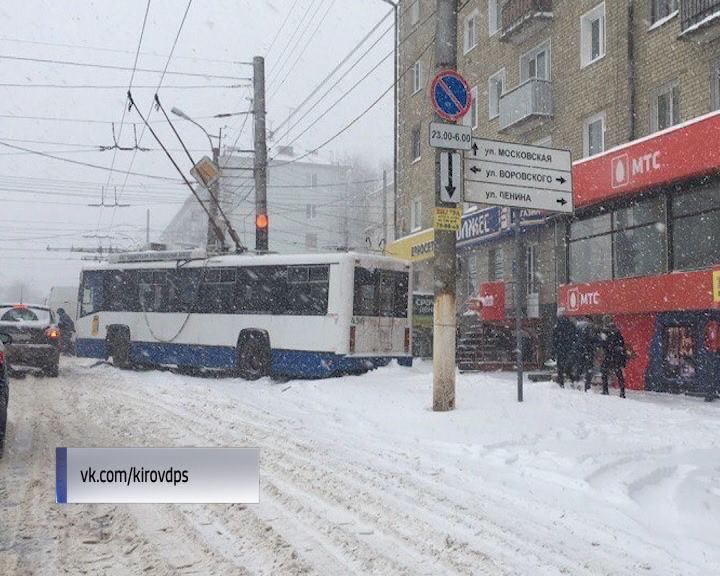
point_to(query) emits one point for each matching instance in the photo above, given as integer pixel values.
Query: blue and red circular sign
(450, 95)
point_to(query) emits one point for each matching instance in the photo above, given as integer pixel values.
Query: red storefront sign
(489, 303)
(677, 291)
(679, 153)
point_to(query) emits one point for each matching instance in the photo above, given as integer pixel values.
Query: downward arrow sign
(450, 188)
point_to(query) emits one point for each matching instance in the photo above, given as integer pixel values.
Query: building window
(311, 240)
(417, 76)
(415, 12)
(663, 9)
(416, 144)
(496, 264)
(696, 228)
(594, 135)
(471, 118)
(416, 214)
(496, 83)
(494, 13)
(310, 211)
(592, 35)
(535, 64)
(470, 39)
(590, 249)
(639, 239)
(666, 107)
(630, 241)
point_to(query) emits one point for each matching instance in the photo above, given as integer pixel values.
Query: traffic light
(261, 231)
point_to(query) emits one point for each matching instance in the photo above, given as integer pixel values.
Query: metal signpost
(520, 176)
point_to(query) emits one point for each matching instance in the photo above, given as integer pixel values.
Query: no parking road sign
(450, 95)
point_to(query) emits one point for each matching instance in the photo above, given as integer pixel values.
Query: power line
(334, 70)
(282, 26)
(124, 68)
(147, 118)
(354, 120)
(116, 51)
(87, 164)
(120, 86)
(310, 38)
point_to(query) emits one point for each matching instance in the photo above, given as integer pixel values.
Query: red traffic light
(261, 221)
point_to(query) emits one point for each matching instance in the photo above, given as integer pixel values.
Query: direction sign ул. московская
(505, 174)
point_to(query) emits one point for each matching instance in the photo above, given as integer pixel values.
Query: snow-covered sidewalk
(359, 476)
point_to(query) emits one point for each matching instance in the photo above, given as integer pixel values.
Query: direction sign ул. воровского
(506, 174)
(450, 95)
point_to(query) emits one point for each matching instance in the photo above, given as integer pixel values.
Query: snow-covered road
(358, 476)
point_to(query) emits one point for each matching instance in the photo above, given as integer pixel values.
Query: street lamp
(214, 188)
(396, 54)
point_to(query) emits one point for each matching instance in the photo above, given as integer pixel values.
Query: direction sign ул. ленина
(451, 177)
(506, 174)
(450, 95)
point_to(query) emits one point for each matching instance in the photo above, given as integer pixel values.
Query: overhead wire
(123, 68)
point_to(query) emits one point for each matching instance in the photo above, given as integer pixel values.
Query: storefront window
(590, 259)
(679, 352)
(640, 243)
(590, 249)
(696, 229)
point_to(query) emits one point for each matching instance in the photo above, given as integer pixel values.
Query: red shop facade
(644, 248)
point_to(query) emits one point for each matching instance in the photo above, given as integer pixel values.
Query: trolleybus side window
(91, 292)
(217, 291)
(307, 291)
(153, 290)
(121, 289)
(183, 289)
(259, 288)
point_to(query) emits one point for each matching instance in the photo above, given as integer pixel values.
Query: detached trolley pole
(518, 293)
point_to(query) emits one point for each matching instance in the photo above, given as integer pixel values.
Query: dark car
(4, 389)
(35, 336)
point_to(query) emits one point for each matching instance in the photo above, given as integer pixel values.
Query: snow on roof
(258, 260)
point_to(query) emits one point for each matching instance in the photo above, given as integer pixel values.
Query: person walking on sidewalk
(615, 356)
(564, 335)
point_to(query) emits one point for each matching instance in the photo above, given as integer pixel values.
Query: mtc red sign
(490, 301)
(680, 291)
(684, 152)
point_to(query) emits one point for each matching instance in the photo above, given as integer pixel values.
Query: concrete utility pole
(444, 266)
(384, 209)
(147, 227)
(212, 238)
(261, 216)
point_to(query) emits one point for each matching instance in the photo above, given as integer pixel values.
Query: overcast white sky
(44, 201)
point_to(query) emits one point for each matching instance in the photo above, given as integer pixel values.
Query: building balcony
(700, 20)
(521, 19)
(525, 106)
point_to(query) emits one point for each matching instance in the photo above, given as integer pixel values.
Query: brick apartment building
(584, 75)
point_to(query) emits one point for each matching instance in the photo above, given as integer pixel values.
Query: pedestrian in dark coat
(615, 357)
(564, 335)
(586, 345)
(67, 327)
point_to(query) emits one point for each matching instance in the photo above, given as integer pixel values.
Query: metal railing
(515, 11)
(693, 12)
(531, 98)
